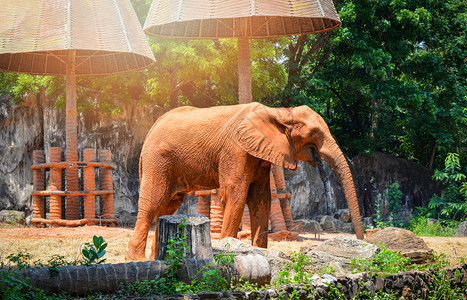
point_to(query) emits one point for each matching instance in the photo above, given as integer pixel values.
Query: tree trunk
(196, 231)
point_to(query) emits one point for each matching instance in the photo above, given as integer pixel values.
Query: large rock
(305, 225)
(461, 229)
(405, 241)
(338, 251)
(332, 225)
(11, 216)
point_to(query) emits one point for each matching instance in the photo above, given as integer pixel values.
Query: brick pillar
(204, 204)
(246, 222)
(283, 195)
(108, 211)
(55, 185)
(38, 183)
(276, 216)
(217, 212)
(89, 181)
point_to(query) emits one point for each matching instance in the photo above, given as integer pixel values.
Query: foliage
(384, 261)
(13, 286)
(93, 253)
(421, 227)
(452, 203)
(392, 78)
(389, 207)
(211, 277)
(441, 288)
(294, 272)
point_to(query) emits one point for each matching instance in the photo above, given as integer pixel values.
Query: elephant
(230, 148)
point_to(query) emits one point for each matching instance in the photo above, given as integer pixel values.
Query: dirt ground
(42, 243)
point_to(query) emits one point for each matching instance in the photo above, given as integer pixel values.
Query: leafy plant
(93, 253)
(20, 259)
(294, 272)
(452, 203)
(384, 261)
(421, 227)
(388, 207)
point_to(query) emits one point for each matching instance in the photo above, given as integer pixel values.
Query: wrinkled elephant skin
(230, 148)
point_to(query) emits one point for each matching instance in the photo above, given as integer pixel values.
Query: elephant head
(284, 135)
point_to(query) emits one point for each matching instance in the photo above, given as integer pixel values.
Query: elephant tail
(140, 168)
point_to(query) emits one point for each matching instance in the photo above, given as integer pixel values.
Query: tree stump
(197, 232)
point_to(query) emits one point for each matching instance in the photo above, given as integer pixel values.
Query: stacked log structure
(71, 216)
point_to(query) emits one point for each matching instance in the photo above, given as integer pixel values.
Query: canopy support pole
(244, 71)
(72, 203)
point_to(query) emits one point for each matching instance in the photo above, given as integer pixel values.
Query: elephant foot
(134, 256)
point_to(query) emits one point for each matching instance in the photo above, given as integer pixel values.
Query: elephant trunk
(332, 154)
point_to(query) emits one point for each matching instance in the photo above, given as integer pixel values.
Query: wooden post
(244, 71)
(72, 208)
(197, 234)
(55, 202)
(89, 182)
(38, 183)
(108, 210)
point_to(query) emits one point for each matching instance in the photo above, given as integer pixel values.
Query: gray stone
(305, 225)
(338, 251)
(343, 215)
(332, 225)
(461, 229)
(11, 216)
(368, 221)
(126, 219)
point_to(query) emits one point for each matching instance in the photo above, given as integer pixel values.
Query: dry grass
(42, 243)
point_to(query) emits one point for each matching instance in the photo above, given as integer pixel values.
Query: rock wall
(375, 172)
(36, 124)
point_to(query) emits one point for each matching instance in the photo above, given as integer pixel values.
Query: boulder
(405, 241)
(343, 215)
(461, 229)
(368, 221)
(332, 225)
(11, 216)
(283, 235)
(337, 253)
(305, 225)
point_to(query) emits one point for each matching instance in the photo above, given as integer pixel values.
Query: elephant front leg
(233, 199)
(259, 205)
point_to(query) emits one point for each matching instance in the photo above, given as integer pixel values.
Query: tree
(391, 78)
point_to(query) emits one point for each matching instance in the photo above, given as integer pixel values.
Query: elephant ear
(263, 136)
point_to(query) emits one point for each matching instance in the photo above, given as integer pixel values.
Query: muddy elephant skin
(230, 148)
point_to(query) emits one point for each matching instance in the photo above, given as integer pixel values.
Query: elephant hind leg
(170, 209)
(152, 198)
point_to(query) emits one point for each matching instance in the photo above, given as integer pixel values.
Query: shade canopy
(36, 36)
(239, 18)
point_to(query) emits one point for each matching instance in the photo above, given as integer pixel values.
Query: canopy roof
(35, 37)
(239, 18)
